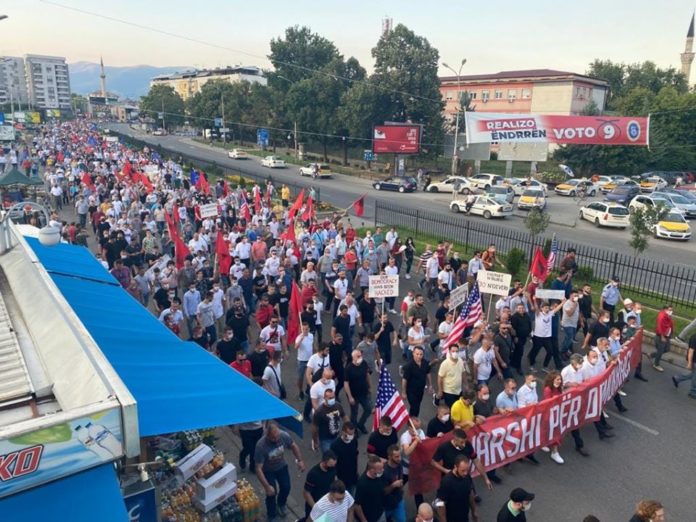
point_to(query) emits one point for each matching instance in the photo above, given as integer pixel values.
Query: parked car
(532, 198)
(448, 184)
(237, 154)
(683, 203)
(483, 181)
(601, 181)
(652, 183)
(615, 182)
(623, 194)
(322, 169)
(159, 132)
(643, 201)
(519, 185)
(273, 162)
(606, 214)
(482, 206)
(502, 193)
(573, 186)
(672, 226)
(397, 183)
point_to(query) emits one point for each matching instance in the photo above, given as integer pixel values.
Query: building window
(472, 95)
(498, 94)
(449, 96)
(512, 94)
(526, 94)
(485, 95)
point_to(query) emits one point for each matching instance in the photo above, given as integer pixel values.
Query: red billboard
(396, 139)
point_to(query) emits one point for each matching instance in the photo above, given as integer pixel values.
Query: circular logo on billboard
(633, 130)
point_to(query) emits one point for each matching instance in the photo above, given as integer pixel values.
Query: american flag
(552, 255)
(472, 311)
(389, 402)
(244, 208)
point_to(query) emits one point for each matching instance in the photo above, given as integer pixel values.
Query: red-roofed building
(539, 91)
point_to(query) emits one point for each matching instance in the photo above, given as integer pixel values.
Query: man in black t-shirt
(394, 485)
(357, 385)
(327, 422)
(228, 346)
(367, 309)
(455, 497)
(346, 449)
(441, 423)
(446, 454)
(259, 359)
(416, 375)
(369, 492)
(599, 329)
(341, 325)
(384, 335)
(319, 480)
(380, 440)
(585, 306)
(238, 321)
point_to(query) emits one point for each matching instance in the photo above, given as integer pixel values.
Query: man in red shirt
(309, 290)
(242, 365)
(664, 327)
(264, 311)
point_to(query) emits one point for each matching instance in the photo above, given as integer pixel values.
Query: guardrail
(674, 283)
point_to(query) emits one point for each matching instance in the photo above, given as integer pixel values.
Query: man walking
(416, 376)
(455, 497)
(318, 481)
(676, 379)
(664, 327)
(369, 493)
(357, 386)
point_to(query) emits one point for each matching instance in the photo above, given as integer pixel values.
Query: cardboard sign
(384, 286)
(459, 295)
(543, 293)
(495, 283)
(209, 210)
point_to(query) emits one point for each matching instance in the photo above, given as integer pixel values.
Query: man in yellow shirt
(462, 412)
(449, 377)
(285, 195)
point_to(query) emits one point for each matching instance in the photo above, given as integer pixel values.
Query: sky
(493, 36)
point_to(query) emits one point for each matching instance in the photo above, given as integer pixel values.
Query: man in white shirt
(337, 504)
(218, 307)
(527, 394)
(444, 329)
(271, 378)
(542, 333)
(316, 392)
(237, 269)
(243, 251)
(271, 266)
(304, 344)
(432, 269)
(273, 336)
(484, 361)
(340, 290)
(445, 279)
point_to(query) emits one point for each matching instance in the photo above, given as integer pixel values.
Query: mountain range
(128, 82)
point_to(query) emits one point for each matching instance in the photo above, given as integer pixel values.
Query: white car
(574, 186)
(519, 185)
(652, 183)
(273, 162)
(644, 201)
(159, 132)
(237, 154)
(482, 206)
(484, 181)
(603, 180)
(605, 214)
(672, 226)
(448, 184)
(322, 170)
(687, 206)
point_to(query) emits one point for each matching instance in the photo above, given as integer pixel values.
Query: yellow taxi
(673, 226)
(531, 198)
(652, 183)
(615, 182)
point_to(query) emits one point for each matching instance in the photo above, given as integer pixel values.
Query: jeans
(280, 480)
(325, 445)
(686, 377)
(398, 514)
(366, 404)
(414, 402)
(577, 438)
(662, 347)
(547, 344)
(212, 334)
(517, 353)
(249, 440)
(568, 337)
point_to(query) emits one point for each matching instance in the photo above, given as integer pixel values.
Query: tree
(299, 55)
(405, 86)
(537, 221)
(642, 221)
(163, 98)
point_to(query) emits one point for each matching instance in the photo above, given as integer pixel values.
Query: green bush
(515, 260)
(585, 273)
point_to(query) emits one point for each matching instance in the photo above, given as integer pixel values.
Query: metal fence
(204, 163)
(644, 277)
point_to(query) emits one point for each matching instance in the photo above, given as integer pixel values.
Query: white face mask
(349, 438)
(533, 385)
(454, 356)
(445, 418)
(527, 506)
(359, 361)
(379, 475)
(669, 312)
(485, 396)
(331, 402)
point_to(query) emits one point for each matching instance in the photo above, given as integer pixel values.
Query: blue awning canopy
(90, 495)
(177, 385)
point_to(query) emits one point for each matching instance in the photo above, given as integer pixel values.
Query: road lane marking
(635, 424)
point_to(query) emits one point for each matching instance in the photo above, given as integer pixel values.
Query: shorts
(301, 369)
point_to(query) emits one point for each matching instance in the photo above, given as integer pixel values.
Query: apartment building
(13, 85)
(538, 91)
(188, 83)
(48, 81)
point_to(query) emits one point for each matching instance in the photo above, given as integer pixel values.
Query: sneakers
(282, 511)
(640, 377)
(675, 381)
(556, 457)
(408, 276)
(582, 452)
(658, 368)
(545, 449)
(532, 458)
(392, 311)
(622, 393)
(545, 370)
(622, 409)
(605, 435)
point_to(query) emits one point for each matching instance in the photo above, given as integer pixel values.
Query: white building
(48, 81)
(190, 83)
(13, 84)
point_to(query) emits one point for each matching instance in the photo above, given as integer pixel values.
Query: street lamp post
(2, 17)
(459, 103)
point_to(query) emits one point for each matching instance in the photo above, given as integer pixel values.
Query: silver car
(687, 206)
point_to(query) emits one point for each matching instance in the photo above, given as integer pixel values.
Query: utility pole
(295, 135)
(164, 127)
(223, 128)
(459, 104)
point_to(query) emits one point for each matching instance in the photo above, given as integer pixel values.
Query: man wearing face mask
(450, 376)
(415, 378)
(569, 323)
(611, 295)
(337, 504)
(326, 422)
(455, 497)
(369, 492)
(380, 440)
(514, 509)
(599, 329)
(357, 386)
(441, 424)
(346, 449)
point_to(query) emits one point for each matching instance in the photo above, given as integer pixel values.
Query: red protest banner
(503, 439)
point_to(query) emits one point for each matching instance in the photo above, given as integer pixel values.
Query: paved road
(342, 190)
(651, 455)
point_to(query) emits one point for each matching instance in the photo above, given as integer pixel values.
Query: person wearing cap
(514, 510)
(611, 295)
(625, 313)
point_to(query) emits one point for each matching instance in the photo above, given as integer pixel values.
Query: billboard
(488, 127)
(7, 133)
(396, 139)
(519, 151)
(471, 151)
